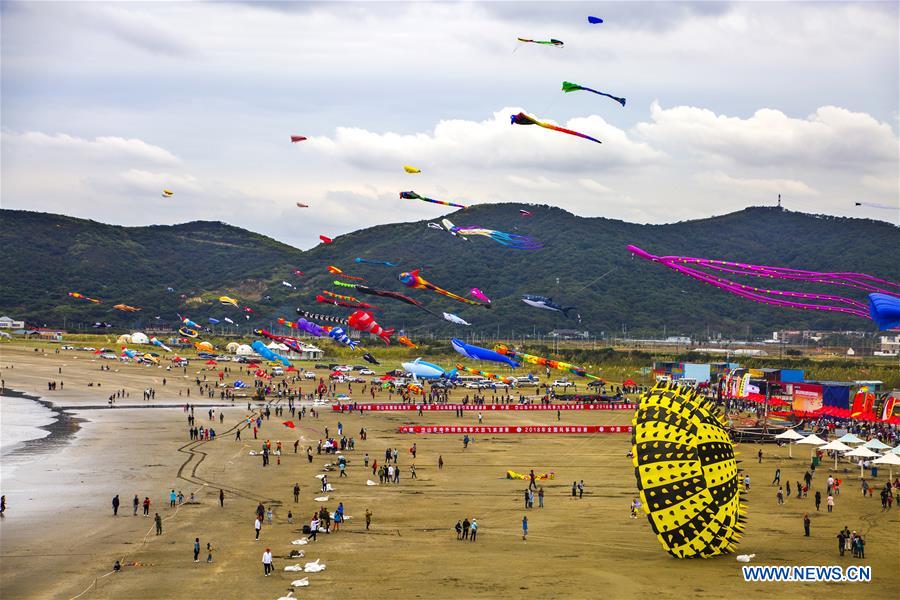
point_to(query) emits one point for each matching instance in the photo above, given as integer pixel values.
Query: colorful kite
(885, 310)
(204, 346)
(370, 359)
(340, 296)
(506, 380)
(158, 343)
(226, 300)
(298, 273)
(454, 319)
(544, 362)
(326, 240)
(510, 240)
(167, 193)
(261, 349)
(340, 336)
(524, 213)
(188, 323)
(574, 87)
(321, 317)
(594, 20)
(415, 196)
(188, 332)
(334, 270)
(213, 321)
(550, 42)
(406, 341)
(297, 138)
(375, 262)
(363, 321)
(479, 353)
(686, 472)
(807, 300)
(410, 169)
(126, 308)
(323, 300)
(413, 280)
(523, 119)
(291, 343)
(83, 297)
(479, 295)
(363, 289)
(311, 328)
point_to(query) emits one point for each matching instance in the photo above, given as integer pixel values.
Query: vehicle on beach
(277, 371)
(309, 375)
(365, 371)
(562, 383)
(343, 368)
(321, 366)
(108, 356)
(68, 348)
(526, 382)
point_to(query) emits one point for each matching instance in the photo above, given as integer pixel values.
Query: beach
(59, 538)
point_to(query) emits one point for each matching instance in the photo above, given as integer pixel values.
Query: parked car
(321, 366)
(343, 368)
(365, 371)
(277, 371)
(68, 347)
(562, 383)
(309, 375)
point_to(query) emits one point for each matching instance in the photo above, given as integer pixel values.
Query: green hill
(45, 256)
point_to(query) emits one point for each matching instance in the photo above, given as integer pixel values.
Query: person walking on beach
(842, 541)
(158, 520)
(134, 504)
(777, 478)
(208, 552)
(146, 506)
(115, 505)
(524, 527)
(759, 455)
(829, 502)
(473, 528)
(440, 462)
(806, 522)
(541, 497)
(221, 497)
(267, 562)
(196, 549)
(465, 528)
(257, 525)
(574, 489)
(296, 492)
(580, 489)
(459, 529)
(3, 506)
(779, 495)
(172, 498)
(368, 518)
(819, 499)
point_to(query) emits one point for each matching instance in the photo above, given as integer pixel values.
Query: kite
(885, 310)
(297, 138)
(525, 213)
(805, 300)
(291, 343)
(101, 325)
(479, 295)
(544, 362)
(370, 359)
(574, 87)
(309, 327)
(286, 323)
(301, 205)
(167, 193)
(510, 240)
(550, 42)
(340, 296)
(129, 353)
(83, 297)
(299, 273)
(523, 119)
(188, 323)
(363, 321)
(478, 353)
(126, 308)
(375, 262)
(506, 380)
(324, 300)
(188, 332)
(225, 300)
(546, 304)
(247, 309)
(406, 341)
(320, 317)
(213, 321)
(412, 279)
(415, 196)
(289, 424)
(156, 342)
(448, 226)
(876, 205)
(364, 289)
(204, 346)
(410, 169)
(426, 370)
(340, 336)
(686, 472)
(326, 240)
(288, 284)
(454, 319)
(538, 476)
(261, 349)
(227, 320)
(334, 270)
(594, 20)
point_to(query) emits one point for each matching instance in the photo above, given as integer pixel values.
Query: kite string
(595, 281)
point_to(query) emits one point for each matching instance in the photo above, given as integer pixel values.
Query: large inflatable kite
(545, 362)
(261, 349)
(878, 309)
(80, 296)
(523, 119)
(413, 280)
(479, 353)
(686, 473)
(363, 321)
(227, 300)
(486, 374)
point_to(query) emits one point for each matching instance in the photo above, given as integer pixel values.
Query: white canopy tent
(891, 460)
(836, 446)
(812, 440)
(862, 452)
(849, 438)
(790, 435)
(875, 444)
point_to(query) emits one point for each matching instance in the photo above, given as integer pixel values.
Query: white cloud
(594, 186)
(769, 186)
(99, 148)
(534, 183)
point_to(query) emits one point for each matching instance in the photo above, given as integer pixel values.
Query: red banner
(487, 429)
(483, 408)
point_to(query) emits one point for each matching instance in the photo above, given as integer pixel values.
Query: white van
(277, 371)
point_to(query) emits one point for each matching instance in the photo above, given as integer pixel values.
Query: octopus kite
(523, 119)
(413, 280)
(574, 87)
(363, 321)
(415, 196)
(83, 297)
(883, 308)
(510, 240)
(686, 472)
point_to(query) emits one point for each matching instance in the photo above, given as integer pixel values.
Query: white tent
(244, 350)
(790, 435)
(874, 444)
(123, 339)
(891, 460)
(232, 347)
(139, 338)
(849, 438)
(896, 450)
(812, 440)
(862, 452)
(836, 446)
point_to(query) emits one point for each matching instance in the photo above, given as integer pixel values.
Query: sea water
(21, 420)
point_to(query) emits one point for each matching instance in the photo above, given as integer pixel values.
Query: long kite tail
(564, 130)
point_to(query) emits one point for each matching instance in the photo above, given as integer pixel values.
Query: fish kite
(290, 342)
(550, 42)
(83, 297)
(426, 370)
(478, 353)
(126, 308)
(297, 138)
(167, 193)
(506, 380)
(510, 240)
(574, 87)
(247, 309)
(877, 205)
(415, 196)
(225, 300)
(524, 213)
(299, 273)
(694, 268)
(370, 359)
(266, 353)
(309, 327)
(406, 341)
(158, 343)
(594, 20)
(546, 304)
(188, 323)
(413, 280)
(523, 119)
(375, 262)
(326, 240)
(454, 319)
(323, 300)
(301, 205)
(363, 289)
(334, 270)
(340, 336)
(544, 362)
(686, 472)
(410, 169)
(363, 321)
(479, 295)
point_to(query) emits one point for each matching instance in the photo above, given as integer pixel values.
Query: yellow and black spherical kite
(686, 472)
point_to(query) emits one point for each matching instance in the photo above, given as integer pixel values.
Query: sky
(104, 105)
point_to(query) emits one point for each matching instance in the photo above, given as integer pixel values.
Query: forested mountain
(584, 263)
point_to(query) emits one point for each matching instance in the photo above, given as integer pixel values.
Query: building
(890, 345)
(8, 323)
(569, 334)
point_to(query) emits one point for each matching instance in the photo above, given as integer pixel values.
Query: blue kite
(479, 353)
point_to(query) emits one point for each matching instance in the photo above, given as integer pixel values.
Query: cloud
(831, 137)
(534, 183)
(769, 186)
(594, 186)
(99, 148)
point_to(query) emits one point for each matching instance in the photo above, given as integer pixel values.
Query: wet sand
(58, 543)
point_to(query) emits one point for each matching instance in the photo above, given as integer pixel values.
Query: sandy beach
(59, 538)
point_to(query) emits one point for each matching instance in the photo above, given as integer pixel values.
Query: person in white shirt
(267, 562)
(257, 526)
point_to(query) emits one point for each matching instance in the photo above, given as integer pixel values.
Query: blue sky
(106, 104)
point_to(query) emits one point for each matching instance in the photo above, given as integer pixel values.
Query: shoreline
(62, 430)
